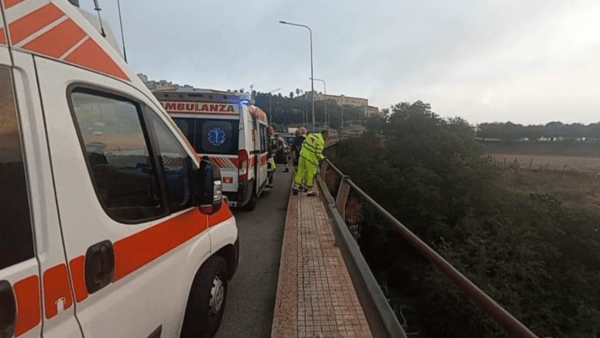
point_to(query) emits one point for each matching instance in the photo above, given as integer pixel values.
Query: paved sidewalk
(315, 296)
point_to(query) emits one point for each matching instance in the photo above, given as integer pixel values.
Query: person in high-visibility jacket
(271, 147)
(310, 155)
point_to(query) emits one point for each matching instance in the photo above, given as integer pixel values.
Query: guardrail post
(342, 196)
(323, 168)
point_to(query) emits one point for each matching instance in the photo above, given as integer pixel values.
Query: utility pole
(327, 121)
(342, 129)
(304, 117)
(270, 114)
(360, 124)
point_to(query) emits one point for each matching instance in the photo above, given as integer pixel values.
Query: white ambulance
(231, 132)
(110, 225)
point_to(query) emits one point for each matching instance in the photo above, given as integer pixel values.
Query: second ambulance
(228, 130)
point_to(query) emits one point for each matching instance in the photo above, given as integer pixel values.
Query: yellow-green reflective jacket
(312, 148)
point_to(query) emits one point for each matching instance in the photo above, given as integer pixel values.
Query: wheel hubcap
(217, 293)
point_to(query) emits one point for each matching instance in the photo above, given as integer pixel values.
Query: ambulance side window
(119, 159)
(16, 238)
(175, 164)
(188, 128)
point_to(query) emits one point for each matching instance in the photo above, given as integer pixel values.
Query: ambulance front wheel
(206, 302)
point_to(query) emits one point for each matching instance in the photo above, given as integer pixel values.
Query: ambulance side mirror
(209, 188)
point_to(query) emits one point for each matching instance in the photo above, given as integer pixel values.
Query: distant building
(160, 85)
(340, 99)
(343, 100)
(372, 111)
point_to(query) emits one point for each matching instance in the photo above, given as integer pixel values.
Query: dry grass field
(550, 162)
(571, 179)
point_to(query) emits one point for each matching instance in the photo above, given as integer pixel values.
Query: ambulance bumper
(240, 197)
(236, 261)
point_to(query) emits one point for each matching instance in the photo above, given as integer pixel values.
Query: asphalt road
(251, 295)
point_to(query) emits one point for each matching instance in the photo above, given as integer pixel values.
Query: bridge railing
(369, 293)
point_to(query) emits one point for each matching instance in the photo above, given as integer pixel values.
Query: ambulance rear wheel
(206, 303)
(251, 205)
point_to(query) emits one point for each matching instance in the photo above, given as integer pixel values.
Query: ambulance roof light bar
(204, 95)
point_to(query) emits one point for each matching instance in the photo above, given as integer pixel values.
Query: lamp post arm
(312, 82)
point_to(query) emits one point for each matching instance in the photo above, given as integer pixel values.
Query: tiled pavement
(315, 296)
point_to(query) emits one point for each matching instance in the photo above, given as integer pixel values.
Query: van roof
(58, 30)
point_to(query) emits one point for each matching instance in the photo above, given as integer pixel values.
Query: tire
(251, 205)
(206, 303)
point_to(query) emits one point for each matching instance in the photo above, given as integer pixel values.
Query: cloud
(484, 60)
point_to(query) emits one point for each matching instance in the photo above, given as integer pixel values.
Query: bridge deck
(315, 295)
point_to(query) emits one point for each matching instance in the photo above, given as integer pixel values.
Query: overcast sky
(530, 61)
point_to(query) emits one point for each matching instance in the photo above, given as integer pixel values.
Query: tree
(554, 130)
(291, 95)
(534, 132)
(536, 258)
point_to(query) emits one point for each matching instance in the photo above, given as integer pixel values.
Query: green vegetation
(536, 258)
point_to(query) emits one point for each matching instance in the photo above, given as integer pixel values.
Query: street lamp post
(342, 128)
(270, 114)
(305, 117)
(312, 83)
(326, 116)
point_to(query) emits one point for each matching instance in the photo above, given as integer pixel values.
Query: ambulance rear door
(263, 156)
(215, 134)
(20, 300)
(259, 148)
(32, 257)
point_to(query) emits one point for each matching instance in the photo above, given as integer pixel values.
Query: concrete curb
(285, 318)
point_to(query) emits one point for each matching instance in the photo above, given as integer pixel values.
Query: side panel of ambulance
(260, 151)
(113, 190)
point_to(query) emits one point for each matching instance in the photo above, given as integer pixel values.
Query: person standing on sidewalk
(271, 148)
(296, 146)
(310, 155)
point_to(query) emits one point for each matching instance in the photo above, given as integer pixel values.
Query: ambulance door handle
(8, 306)
(99, 266)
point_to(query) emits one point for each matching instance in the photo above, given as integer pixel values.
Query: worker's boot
(295, 189)
(312, 192)
(270, 181)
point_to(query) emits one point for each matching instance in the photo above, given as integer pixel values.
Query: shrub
(536, 258)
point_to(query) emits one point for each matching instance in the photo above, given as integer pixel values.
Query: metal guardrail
(481, 299)
(381, 318)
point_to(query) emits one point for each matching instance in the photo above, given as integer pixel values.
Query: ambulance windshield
(211, 136)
